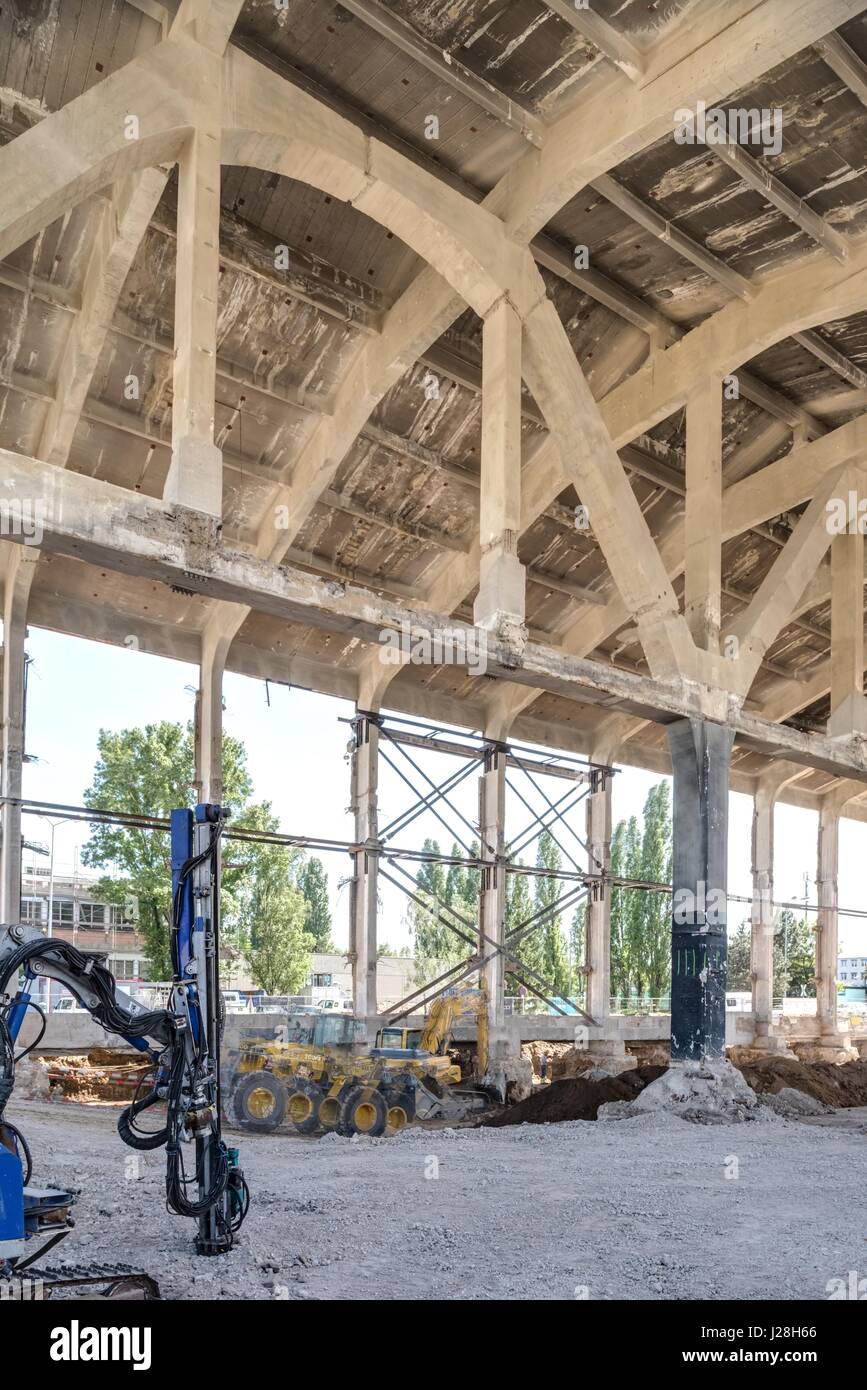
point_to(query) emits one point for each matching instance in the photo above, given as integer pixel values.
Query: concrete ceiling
(404, 501)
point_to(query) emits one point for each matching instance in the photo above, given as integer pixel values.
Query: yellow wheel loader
(319, 1080)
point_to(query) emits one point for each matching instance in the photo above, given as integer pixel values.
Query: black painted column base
(700, 760)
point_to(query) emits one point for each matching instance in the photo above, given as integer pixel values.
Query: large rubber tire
(329, 1111)
(302, 1105)
(400, 1102)
(364, 1112)
(260, 1102)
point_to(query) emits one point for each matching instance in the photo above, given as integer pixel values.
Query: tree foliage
(149, 771)
(641, 920)
(794, 958)
(313, 882)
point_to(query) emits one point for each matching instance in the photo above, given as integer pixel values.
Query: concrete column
(700, 758)
(827, 933)
(494, 879)
(209, 718)
(195, 474)
(363, 908)
(762, 917)
(703, 515)
(597, 947)
(848, 704)
(500, 601)
(19, 578)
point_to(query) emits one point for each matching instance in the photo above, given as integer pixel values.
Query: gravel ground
(638, 1209)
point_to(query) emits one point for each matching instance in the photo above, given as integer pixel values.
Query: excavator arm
(444, 1014)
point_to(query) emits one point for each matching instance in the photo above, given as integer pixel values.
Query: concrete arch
(269, 124)
(83, 148)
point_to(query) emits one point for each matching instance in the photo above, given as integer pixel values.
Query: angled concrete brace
(777, 596)
(779, 486)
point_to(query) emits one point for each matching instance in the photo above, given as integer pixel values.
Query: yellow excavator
(320, 1080)
(434, 1039)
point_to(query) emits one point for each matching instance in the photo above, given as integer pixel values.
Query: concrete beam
(844, 61)
(110, 526)
(721, 52)
(447, 68)
(617, 47)
(751, 172)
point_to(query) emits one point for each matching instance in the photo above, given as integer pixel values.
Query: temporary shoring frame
(497, 859)
(595, 883)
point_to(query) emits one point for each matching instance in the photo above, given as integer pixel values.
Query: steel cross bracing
(406, 737)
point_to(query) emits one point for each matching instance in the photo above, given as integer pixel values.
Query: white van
(332, 1005)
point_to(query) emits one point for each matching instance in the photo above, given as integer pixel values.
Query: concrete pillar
(19, 578)
(500, 602)
(827, 933)
(209, 718)
(597, 947)
(703, 515)
(195, 473)
(762, 917)
(848, 704)
(493, 878)
(363, 907)
(700, 759)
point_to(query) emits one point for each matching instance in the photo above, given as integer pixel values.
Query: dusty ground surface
(637, 1209)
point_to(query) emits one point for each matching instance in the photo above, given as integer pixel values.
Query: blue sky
(297, 756)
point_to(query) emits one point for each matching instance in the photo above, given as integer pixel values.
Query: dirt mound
(577, 1098)
(833, 1084)
(712, 1092)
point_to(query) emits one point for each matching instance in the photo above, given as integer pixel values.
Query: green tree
(640, 919)
(150, 772)
(436, 945)
(455, 885)
(739, 959)
(636, 966)
(553, 959)
(519, 907)
(656, 867)
(313, 883)
(272, 912)
(470, 887)
(394, 952)
(577, 949)
(795, 948)
(619, 901)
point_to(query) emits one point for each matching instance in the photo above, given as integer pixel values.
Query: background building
(77, 917)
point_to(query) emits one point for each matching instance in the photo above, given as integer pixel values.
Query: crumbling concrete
(703, 1092)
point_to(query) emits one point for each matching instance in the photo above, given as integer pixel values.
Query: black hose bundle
(98, 979)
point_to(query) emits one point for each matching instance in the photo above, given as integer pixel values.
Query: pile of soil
(577, 1098)
(833, 1084)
